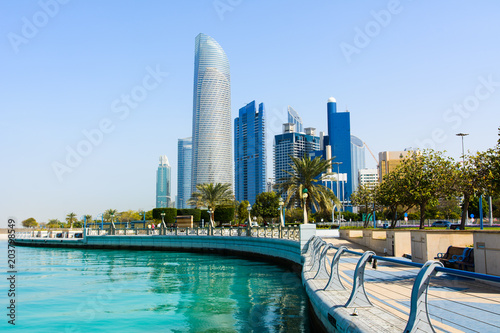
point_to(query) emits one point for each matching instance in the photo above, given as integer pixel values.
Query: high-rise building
(358, 159)
(389, 160)
(294, 118)
(212, 144)
(368, 177)
(184, 165)
(339, 133)
(163, 175)
(292, 143)
(250, 152)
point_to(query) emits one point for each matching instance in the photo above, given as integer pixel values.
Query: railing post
(334, 283)
(419, 319)
(314, 257)
(358, 296)
(322, 273)
(306, 231)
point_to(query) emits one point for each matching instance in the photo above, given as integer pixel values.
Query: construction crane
(376, 161)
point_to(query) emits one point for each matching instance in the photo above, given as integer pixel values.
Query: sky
(94, 92)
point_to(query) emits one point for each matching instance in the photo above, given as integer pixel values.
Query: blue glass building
(294, 118)
(250, 152)
(292, 143)
(212, 144)
(339, 134)
(163, 177)
(184, 166)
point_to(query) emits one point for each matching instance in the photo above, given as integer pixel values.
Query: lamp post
(212, 222)
(463, 156)
(463, 151)
(304, 196)
(249, 208)
(281, 203)
(162, 219)
(143, 214)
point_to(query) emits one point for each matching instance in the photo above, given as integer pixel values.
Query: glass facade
(250, 152)
(339, 133)
(184, 165)
(163, 177)
(358, 159)
(292, 143)
(294, 118)
(212, 145)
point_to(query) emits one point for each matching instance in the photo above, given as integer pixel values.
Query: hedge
(196, 213)
(170, 214)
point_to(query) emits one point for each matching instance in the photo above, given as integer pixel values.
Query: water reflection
(103, 290)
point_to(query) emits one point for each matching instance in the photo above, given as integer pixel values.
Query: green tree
(474, 177)
(426, 177)
(28, 223)
(110, 214)
(211, 196)
(54, 223)
(71, 218)
(243, 211)
(307, 174)
(364, 197)
(266, 206)
(129, 216)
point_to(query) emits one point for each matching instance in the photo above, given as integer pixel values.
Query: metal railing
(291, 233)
(451, 307)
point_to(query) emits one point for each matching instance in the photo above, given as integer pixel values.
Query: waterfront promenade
(455, 303)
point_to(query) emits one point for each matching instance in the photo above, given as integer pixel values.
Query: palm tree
(70, 218)
(307, 174)
(88, 218)
(109, 214)
(211, 195)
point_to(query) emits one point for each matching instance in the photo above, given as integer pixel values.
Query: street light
(304, 196)
(281, 203)
(463, 152)
(249, 208)
(162, 219)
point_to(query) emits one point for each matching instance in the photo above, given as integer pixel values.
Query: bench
(458, 257)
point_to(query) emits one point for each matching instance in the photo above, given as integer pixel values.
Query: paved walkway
(455, 304)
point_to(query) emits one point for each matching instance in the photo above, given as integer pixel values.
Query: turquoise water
(69, 290)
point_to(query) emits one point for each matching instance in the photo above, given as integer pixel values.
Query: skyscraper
(250, 152)
(184, 165)
(339, 133)
(212, 151)
(163, 183)
(292, 143)
(294, 118)
(358, 159)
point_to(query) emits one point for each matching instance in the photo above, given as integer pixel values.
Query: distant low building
(368, 177)
(389, 160)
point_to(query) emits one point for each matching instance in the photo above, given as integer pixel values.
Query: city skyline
(77, 96)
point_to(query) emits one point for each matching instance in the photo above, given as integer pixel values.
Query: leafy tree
(364, 197)
(71, 218)
(294, 215)
(28, 223)
(424, 179)
(211, 196)
(149, 215)
(475, 176)
(307, 174)
(224, 214)
(54, 223)
(170, 214)
(129, 216)
(266, 206)
(474, 206)
(243, 211)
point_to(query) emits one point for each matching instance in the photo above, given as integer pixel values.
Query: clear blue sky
(410, 73)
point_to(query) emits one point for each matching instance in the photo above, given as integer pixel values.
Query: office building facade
(389, 160)
(339, 133)
(294, 118)
(212, 144)
(163, 177)
(184, 166)
(292, 143)
(368, 177)
(250, 152)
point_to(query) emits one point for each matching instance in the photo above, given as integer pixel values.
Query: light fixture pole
(463, 161)
(304, 196)
(162, 219)
(338, 184)
(463, 150)
(281, 203)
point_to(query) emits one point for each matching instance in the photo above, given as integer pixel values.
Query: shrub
(170, 214)
(196, 213)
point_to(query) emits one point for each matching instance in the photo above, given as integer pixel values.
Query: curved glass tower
(212, 147)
